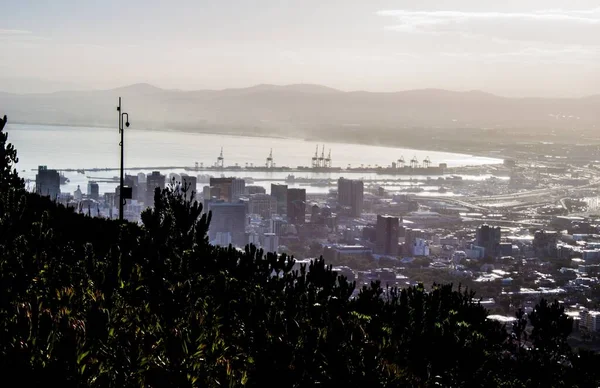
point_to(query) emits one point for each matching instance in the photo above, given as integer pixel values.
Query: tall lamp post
(123, 194)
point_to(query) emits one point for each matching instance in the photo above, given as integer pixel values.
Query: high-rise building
(280, 193)
(230, 189)
(262, 204)
(208, 193)
(93, 190)
(205, 193)
(387, 228)
(47, 182)
(238, 189)
(153, 181)
(228, 218)
(134, 182)
(544, 243)
(276, 226)
(351, 194)
(109, 199)
(271, 242)
(488, 237)
(410, 239)
(296, 206)
(188, 183)
(78, 195)
(254, 239)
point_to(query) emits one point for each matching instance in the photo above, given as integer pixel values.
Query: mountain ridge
(307, 110)
(300, 87)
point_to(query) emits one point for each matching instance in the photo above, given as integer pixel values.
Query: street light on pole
(124, 193)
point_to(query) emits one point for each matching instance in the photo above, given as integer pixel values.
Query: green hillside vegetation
(91, 302)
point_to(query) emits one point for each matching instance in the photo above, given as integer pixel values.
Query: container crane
(414, 162)
(401, 162)
(270, 159)
(427, 162)
(322, 158)
(328, 159)
(221, 159)
(315, 158)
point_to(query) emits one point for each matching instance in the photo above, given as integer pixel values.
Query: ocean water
(60, 147)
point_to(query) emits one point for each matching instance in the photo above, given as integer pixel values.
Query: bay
(63, 147)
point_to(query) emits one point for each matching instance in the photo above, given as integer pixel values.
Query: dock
(300, 169)
(319, 164)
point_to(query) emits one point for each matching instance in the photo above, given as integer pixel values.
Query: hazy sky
(512, 47)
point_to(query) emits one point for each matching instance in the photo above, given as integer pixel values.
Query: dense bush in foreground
(91, 302)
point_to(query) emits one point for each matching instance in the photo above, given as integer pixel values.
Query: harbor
(81, 155)
(319, 164)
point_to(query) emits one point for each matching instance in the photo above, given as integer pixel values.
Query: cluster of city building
(369, 234)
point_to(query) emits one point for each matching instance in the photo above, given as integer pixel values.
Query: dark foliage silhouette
(92, 302)
(8, 159)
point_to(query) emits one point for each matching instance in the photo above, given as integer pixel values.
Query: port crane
(328, 158)
(221, 159)
(321, 161)
(401, 162)
(322, 157)
(270, 163)
(414, 162)
(427, 162)
(315, 159)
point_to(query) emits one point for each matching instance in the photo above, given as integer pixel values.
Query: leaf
(82, 356)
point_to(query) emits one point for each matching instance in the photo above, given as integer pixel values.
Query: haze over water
(86, 147)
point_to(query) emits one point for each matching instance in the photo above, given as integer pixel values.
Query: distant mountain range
(302, 110)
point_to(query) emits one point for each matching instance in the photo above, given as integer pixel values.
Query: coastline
(453, 150)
